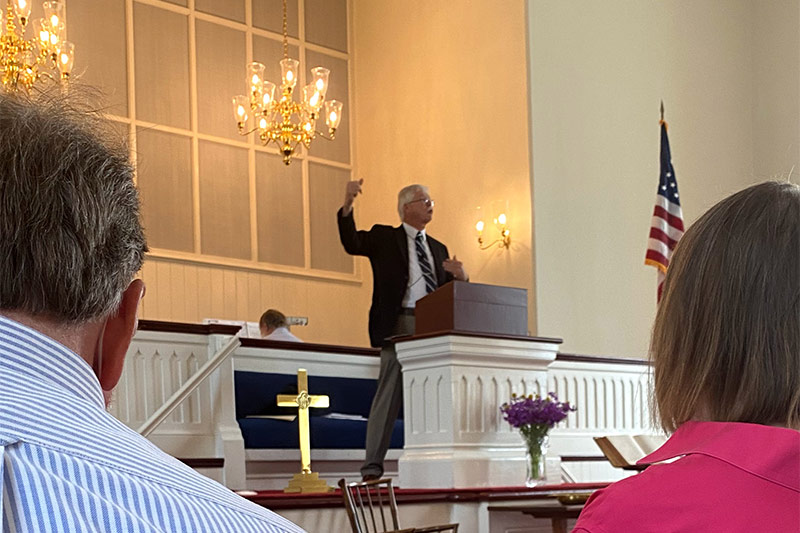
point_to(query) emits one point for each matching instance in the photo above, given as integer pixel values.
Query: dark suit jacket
(387, 250)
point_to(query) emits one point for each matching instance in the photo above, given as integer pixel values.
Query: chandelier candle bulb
(40, 31)
(289, 72)
(319, 76)
(333, 115)
(66, 58)
(255, 78)
(56, 36)
(312, 98)
(240, 107)
(22, 8)
(53, 12)
(268, 95)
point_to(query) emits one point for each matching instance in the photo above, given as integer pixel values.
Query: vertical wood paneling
(254, 309)
(187, 292)
(426, 398)
(163, 290)
(463, 398)
(193, 402)
(145, 306)
(478, 406)
(242, 309)
(141, 383)
(493, 414)
(440, 407)
(176, 376)
(415, 409)
(178, 289)
(204, 292)
(217, 289)
(190, 294)
(229, 301)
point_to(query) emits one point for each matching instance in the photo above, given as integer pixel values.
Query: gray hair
(406, 194)
(70, 235)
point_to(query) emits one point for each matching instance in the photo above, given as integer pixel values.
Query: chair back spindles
(369, 502)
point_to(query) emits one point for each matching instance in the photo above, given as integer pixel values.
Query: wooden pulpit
(465, 307)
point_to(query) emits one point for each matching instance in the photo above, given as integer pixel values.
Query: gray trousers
(386, 403)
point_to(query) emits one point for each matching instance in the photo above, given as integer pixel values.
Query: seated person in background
(70, 245)
(725, 351)
(273, 327)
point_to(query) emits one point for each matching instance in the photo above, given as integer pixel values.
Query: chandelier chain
(285, 33)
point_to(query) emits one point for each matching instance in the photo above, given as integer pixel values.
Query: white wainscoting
(202, 426)
(612, 397)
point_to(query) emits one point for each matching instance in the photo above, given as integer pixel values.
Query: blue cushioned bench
(256, 396)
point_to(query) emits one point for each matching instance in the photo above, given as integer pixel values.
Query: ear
(117, 335)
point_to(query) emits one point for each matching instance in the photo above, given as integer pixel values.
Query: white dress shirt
(416, 283)
(282, 334)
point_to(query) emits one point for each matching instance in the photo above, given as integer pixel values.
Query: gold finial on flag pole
(306, 481)
(662, 110)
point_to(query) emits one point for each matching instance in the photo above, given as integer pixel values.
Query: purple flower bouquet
(535, 416)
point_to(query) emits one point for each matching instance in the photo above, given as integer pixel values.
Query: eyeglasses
(428, 202)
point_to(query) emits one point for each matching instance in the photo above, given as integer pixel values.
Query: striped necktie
(424, 265)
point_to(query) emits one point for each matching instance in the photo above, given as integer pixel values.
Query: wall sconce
(499, 217)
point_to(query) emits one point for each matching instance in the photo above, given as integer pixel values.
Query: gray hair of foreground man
(70, 236)
(726, 340)
(406, 194)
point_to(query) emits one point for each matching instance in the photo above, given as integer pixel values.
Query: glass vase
(535, 459)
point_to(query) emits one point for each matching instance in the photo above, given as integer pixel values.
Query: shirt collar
(411, 231)
(43, 359)
(755, 448)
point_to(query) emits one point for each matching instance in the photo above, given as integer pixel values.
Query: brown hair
(272, 318)
(726, 339)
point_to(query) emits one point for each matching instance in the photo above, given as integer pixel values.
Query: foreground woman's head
(726, 340)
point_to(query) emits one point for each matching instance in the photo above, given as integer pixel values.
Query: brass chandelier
(283, 121)
(46, 55)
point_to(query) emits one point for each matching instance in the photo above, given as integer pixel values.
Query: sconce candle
(500, 220)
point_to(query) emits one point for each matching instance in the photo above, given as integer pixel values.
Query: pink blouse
(730, 477)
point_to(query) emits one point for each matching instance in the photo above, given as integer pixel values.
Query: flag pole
(662, 110)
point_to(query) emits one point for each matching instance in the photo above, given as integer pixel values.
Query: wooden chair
(372, 508)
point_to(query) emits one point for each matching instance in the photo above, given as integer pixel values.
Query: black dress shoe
(370, 477)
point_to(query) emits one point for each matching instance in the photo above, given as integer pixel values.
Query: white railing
(612, 397)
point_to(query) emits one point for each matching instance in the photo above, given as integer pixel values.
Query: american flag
(666, 226)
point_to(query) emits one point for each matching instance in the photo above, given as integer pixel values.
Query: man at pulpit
(70, 245)
(407, 264)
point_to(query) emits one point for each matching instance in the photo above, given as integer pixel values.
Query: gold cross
(303, 401)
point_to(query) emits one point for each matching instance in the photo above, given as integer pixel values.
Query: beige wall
(190, 292)
(441, 100)
(776, 87)
(441, 97)
(728, 74)
(423, 76)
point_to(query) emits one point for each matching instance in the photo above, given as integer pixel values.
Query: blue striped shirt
(67, 465)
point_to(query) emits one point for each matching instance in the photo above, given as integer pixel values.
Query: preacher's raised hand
(456, 268)
(352, 189)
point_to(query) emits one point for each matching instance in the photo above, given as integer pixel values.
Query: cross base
(308, 484)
